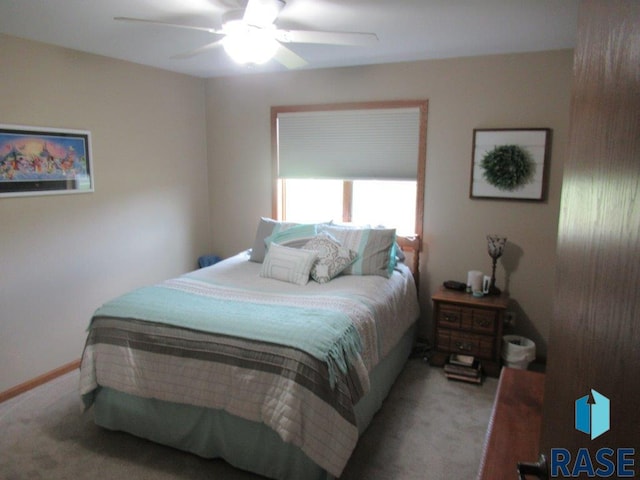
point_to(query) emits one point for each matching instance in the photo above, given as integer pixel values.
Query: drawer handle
(483, 322)
(464, 347)
(450, 318)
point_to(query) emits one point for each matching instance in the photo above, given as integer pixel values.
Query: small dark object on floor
(421, 350)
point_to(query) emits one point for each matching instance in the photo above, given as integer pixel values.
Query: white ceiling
(407, 29)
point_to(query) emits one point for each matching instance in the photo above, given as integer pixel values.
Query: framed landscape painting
(44, 161)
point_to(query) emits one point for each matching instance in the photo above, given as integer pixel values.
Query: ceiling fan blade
(166, 24)
(262, 13)
(288, 58)
(198, 51)
(327, 38)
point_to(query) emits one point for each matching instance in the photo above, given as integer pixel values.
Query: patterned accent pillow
(333, 258)
(375, 248)
(288, 264)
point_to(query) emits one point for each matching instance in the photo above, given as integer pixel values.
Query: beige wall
(523, 90)
(62, 256)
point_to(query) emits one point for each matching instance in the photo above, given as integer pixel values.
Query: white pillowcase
(288, 264)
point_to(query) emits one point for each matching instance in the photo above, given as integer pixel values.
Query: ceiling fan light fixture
(250, 36)
(262, 12)
(249, 45)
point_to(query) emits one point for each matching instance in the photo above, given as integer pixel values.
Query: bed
(275, 359)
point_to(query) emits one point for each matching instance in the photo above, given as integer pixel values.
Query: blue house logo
(592, 414)
(593, 418)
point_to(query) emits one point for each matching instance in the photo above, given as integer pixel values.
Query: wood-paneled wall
(595, 332)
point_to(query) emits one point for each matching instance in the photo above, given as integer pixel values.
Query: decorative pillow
(288, 264)
(333, 258)
(374, 246)
(292, 236)
(266, 227)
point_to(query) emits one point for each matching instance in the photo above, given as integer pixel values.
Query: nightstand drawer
(450, 316)
(478, 320)
(466, 318)
(467, 343)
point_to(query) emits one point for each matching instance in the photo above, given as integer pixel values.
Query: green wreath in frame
(507, 167)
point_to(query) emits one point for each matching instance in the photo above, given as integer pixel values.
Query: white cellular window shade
(349, 144)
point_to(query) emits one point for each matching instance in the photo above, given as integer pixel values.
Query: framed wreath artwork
(510, 163)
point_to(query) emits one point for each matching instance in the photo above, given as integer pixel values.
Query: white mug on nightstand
(474, 281)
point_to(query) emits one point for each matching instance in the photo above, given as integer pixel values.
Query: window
(389, 203)
(359, 201)
(310, 200)
(360, 163)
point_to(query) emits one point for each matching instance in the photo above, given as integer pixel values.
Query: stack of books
(463, 367)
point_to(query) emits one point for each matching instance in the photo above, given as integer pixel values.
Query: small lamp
(495, 245)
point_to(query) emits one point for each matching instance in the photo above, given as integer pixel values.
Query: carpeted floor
(429, 428)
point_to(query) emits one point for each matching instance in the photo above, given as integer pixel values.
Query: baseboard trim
(36, 382)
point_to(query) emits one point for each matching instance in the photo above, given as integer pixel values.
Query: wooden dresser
(468, 325)
(515, 425)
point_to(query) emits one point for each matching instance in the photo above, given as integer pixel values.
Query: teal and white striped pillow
(294, 236)
(288, 264)
(375, 248)
(266, 227)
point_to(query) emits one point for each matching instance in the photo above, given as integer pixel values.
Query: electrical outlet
(510, 318)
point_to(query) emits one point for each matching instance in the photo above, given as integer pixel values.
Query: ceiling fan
(250, 36)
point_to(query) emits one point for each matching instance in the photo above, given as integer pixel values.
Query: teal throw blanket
(325, 334)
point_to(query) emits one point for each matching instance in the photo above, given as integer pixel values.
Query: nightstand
(468, 325)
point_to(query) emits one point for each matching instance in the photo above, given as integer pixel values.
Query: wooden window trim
(347, 201)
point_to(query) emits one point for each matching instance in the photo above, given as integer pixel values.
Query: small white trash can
(518, 352)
